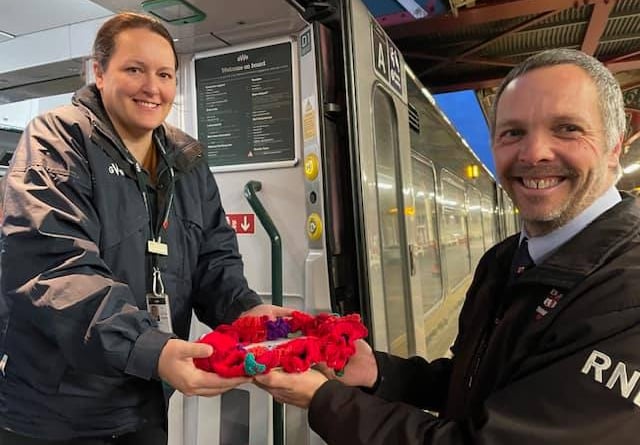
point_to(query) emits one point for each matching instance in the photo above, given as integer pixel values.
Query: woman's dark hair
(105, 41)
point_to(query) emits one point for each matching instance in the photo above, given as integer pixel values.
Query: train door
(263, 94)
(426, 252)
(380, 142)
(474, 223)
(501, 224)
(455, 232)
(488, 222)
(509, 215)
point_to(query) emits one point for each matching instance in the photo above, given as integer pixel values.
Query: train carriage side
(456, 213)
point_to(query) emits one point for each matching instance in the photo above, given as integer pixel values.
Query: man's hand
(361, 369)
(176, 367)
(295, 388)
(268, 309)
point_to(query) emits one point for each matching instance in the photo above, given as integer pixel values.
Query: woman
(112, 215)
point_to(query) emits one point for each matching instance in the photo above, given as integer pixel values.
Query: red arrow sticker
(242, 223)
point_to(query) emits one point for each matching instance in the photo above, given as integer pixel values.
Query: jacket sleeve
(221, 292)
(52, 274)
(575, 390)
(414, 381)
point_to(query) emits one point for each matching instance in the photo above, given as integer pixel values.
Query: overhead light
(7, 35)
(175, 12)
(631, 168)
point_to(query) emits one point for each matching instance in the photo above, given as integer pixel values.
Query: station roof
(473, 44)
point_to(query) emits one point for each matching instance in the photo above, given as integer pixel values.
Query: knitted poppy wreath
(255, 345)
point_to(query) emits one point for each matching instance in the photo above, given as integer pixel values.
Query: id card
(158, 308)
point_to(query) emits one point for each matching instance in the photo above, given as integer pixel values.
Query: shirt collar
(541, 247)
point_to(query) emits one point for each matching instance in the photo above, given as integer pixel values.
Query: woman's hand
(176, 367)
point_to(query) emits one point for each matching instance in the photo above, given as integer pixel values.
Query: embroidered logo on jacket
(548, 304)
(599, 362)
(115, 170)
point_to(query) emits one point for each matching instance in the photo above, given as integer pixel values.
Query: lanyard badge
(158, 303)
(157, 300)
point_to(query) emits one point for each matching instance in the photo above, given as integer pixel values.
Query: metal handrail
(250, 190)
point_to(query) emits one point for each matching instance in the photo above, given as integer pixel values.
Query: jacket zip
(480, 351)
(484, 340)
(487, 333)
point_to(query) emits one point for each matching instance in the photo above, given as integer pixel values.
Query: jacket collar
(184, 150)
(580, 256)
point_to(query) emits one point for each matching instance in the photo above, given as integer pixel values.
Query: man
(547, 350)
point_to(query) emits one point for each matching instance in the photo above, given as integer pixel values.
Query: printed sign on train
(386, 59)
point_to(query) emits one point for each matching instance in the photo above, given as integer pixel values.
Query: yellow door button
(311, 166)
(314, 227)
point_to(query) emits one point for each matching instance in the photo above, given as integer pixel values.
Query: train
(349, 189)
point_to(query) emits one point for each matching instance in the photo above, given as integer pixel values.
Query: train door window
(502, 229)
(474, 219)
(389, 203)
(509, 215)
(427, 248)
(488, 222)
(8, 141)
(454, 230)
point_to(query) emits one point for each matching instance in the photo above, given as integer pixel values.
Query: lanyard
(156, 231)
(155, 245)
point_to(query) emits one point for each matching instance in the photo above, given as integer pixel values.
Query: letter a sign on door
(386, 59)
(381, 53)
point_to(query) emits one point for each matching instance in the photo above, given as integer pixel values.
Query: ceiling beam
(624, 56)
(630, 86)
(634, 123)
(471, 60)
(597, 24)
(625, 65)
(614, 67)
(471, 85)
(483, 13)
(479, 46)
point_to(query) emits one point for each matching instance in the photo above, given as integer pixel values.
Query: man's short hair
(610, 100)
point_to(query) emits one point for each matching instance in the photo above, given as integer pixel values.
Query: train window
(427, 250)
(8, 141)
(393, 261)
(488, 222)
(509, 215)
(6, 158)
(474, 219)
(455, 246)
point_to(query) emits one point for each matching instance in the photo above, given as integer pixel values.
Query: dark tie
(521, 260)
